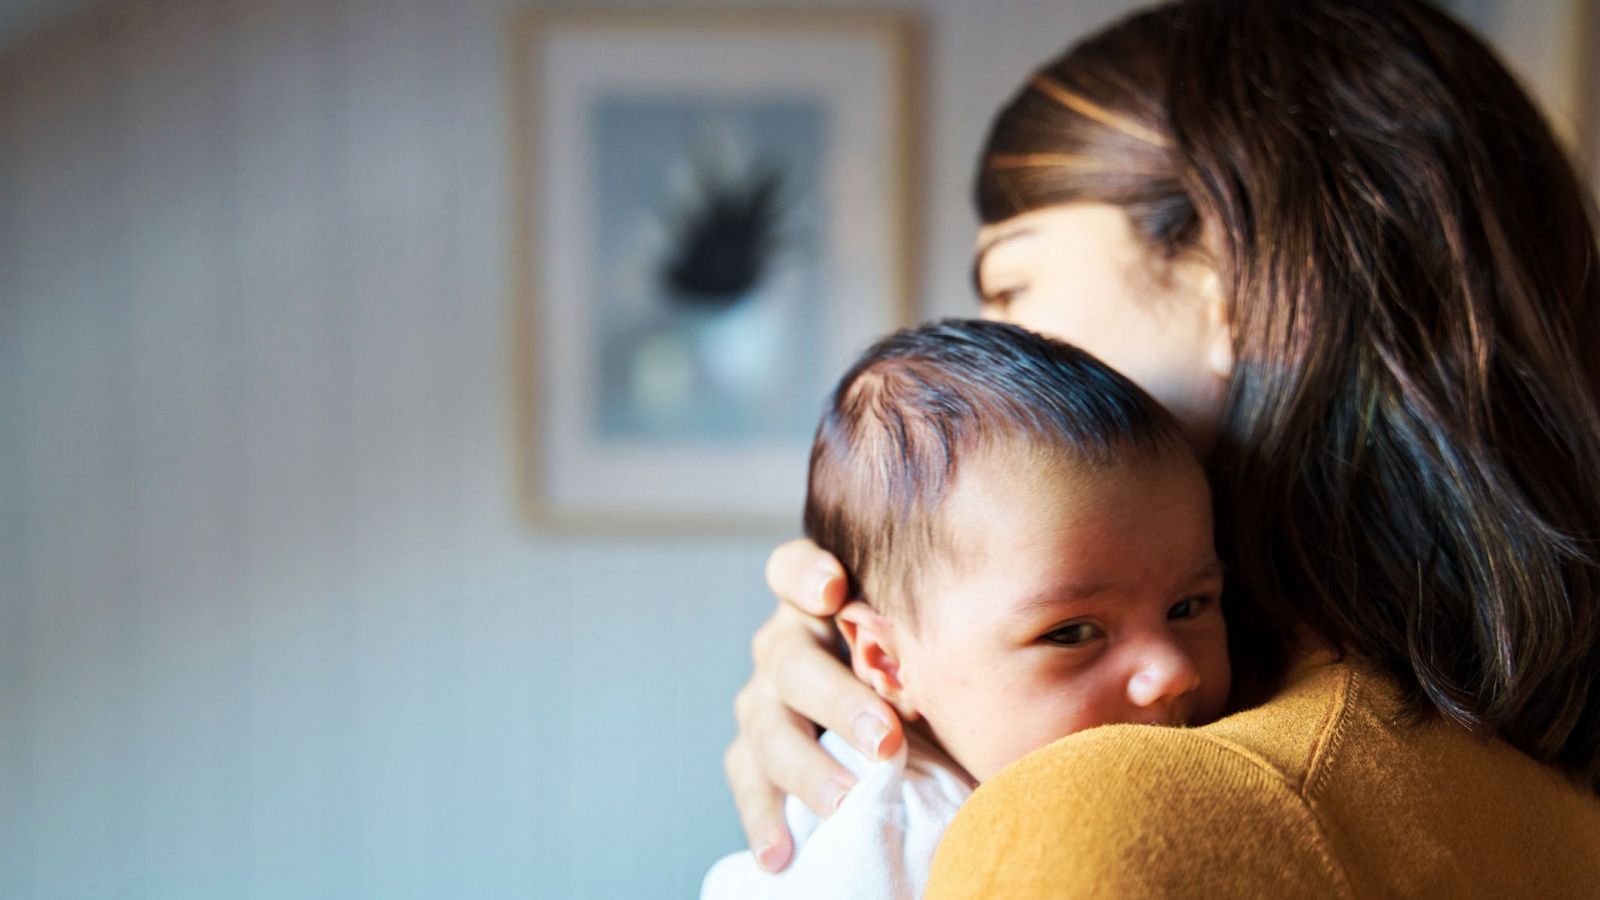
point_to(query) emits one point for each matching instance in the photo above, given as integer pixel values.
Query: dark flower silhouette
(723, 244)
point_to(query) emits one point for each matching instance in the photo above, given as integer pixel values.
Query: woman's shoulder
(1325, 790)
(1128, 810)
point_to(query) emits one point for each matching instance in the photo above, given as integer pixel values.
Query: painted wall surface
(270, 622)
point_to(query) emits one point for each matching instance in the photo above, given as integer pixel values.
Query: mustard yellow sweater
(1321, 792)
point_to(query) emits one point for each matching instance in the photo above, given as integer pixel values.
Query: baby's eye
(1074, 634)
(1187, 608)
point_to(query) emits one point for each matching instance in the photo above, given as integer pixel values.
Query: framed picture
(712, 222)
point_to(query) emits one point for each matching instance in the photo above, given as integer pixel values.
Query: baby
(1028, 542)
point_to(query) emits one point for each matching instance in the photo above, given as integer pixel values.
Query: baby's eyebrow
(1207, 572)
(1059, 595)
(1066, 593)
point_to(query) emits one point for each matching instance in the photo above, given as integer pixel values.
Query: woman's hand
(797, 681)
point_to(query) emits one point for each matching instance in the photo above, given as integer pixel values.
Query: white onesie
(878, 845)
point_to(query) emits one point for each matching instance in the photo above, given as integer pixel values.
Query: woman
(1339, 242)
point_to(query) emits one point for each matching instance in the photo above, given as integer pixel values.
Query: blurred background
(273, 622)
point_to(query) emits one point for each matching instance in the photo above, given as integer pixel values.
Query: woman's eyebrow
(983, 250)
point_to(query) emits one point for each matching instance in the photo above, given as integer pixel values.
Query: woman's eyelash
(1002, 297)
(999, 296)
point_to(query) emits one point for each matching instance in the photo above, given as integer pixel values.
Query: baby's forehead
(1001, 497)
(998, 486)
(1029, 511)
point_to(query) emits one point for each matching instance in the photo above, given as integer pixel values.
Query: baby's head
(1028, 540)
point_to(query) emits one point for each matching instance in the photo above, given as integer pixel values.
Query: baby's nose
(1163, 676)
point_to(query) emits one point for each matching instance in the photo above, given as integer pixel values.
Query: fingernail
(833, 794)
(870, 732)
(769, 856)
(820, 579)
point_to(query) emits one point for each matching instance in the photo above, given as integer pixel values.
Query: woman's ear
(875, 653)
(1219, 331)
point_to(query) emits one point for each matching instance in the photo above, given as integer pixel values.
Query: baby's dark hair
(919, 401)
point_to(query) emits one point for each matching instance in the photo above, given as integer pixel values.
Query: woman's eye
(1073, 635)
(1186, 608)
(999, 301)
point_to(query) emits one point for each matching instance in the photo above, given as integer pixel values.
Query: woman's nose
(1163, 674)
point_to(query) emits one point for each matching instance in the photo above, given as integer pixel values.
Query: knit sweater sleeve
(1125, 811)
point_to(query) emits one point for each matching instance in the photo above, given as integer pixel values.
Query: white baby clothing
(877, 846)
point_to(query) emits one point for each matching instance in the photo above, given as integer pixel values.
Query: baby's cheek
(984, 723)
(1215, 693)
(1217, 678)
(1045, 716)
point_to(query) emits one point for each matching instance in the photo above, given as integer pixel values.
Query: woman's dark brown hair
(1409, 459)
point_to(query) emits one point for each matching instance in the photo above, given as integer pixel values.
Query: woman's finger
(810, 681)
(760, 805)
(785, 748)
(806, 577)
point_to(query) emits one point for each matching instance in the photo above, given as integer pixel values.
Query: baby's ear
(875, 654)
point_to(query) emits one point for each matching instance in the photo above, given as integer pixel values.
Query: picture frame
(713, 218)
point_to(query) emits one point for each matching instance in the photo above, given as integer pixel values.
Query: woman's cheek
(1036, 312)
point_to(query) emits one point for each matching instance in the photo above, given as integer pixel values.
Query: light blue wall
(270, 624)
